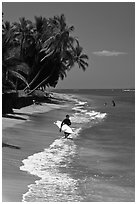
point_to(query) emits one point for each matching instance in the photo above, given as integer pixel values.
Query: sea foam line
(53, 185)
(83, 115)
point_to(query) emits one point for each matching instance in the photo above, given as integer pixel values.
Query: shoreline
(22, 138)
(38, 133)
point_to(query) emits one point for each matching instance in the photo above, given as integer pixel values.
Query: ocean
(98, 164)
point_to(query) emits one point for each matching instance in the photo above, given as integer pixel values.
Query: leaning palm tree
(48, 49)
(55, 70)
(58, 44)
(40, 35)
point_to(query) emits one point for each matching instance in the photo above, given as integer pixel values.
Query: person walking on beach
(67, 122)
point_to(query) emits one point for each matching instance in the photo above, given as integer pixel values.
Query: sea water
(98, 165)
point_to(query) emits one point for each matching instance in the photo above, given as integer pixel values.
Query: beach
(97, 165)
(22, 137)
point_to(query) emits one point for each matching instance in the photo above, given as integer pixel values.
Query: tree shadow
(27, 114)
(10, 146)
(13, 117)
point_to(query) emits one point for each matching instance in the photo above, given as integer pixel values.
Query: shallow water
(98, 164)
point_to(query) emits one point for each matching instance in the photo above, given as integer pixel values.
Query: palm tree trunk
(44, 80)
(21, 46)
(16, 84)
(32, 80)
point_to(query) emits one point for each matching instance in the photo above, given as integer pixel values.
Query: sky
(106, 31)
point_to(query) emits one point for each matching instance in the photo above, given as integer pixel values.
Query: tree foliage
(39, 53)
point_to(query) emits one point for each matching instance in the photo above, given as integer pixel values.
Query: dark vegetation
(36, 55)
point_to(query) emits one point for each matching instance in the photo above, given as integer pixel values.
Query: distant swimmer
(105, 104)
(67, 122)
(113, 103)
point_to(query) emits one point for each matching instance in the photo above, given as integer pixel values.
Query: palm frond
(10, 83)
(83, 62)
(23, 67)
(78, 50)
(84, 56)
(19, 76)
(47, 43)
(72, 28)
(47, 55)
(82, 66)
(7, 25)
(14, 63)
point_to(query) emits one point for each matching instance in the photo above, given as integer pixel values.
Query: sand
(23, 135)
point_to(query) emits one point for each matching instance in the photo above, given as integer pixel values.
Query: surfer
(67, 122)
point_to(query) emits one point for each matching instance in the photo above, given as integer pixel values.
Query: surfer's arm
(61, 125)
(69, 122)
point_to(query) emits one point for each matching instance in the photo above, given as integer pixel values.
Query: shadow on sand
(10, 146)
(12, 116)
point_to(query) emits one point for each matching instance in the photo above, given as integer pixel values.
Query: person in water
(67, 122)
(113, 103)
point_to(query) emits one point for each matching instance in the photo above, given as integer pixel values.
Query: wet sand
(23, 135)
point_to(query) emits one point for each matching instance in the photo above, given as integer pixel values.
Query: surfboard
(65, 128)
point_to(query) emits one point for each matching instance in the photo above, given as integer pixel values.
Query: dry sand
(24, 135)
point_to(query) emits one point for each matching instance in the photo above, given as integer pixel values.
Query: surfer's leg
(66, 134)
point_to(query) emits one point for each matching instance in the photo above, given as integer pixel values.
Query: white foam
(82, 115)
(79, 118)
(85, 116)
(79, 108)
(53, 156)
(81, 103)
(53, 185)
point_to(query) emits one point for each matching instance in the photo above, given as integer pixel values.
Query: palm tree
(60, 48)
(12, 66)
(58, 44)
(79, 57)
(55, 70)
(29, 39)
(47, 50)
(24, 34)
(41, 33)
